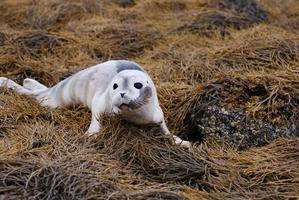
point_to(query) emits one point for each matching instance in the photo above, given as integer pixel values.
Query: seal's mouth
(121, 106)
(143, 99)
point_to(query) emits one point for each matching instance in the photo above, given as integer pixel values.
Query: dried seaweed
(235, 97)
(35, 43)
(223, 15)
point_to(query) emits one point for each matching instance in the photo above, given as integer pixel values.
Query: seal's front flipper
(94, 126)
(177, 140)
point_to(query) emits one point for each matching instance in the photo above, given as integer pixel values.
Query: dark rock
(220, 112)
(234, 128)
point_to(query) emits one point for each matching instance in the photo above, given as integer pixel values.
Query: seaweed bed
(227, 78)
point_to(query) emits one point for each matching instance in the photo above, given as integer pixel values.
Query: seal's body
(117, 86)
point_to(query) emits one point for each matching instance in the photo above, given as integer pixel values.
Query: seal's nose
(122, 95)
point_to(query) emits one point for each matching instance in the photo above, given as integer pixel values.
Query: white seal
(117, 86)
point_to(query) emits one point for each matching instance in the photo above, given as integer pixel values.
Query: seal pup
(118, 86)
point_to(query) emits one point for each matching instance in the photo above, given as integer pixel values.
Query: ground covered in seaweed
(227, 74)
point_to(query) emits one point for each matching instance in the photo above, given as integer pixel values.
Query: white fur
(93, 87)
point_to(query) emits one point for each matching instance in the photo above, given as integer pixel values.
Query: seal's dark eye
(115, 86)
(138, 85)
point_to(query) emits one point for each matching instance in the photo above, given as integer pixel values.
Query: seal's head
(130, 90)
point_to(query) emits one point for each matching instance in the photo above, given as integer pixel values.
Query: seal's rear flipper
(31, 84)
(5, 82)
